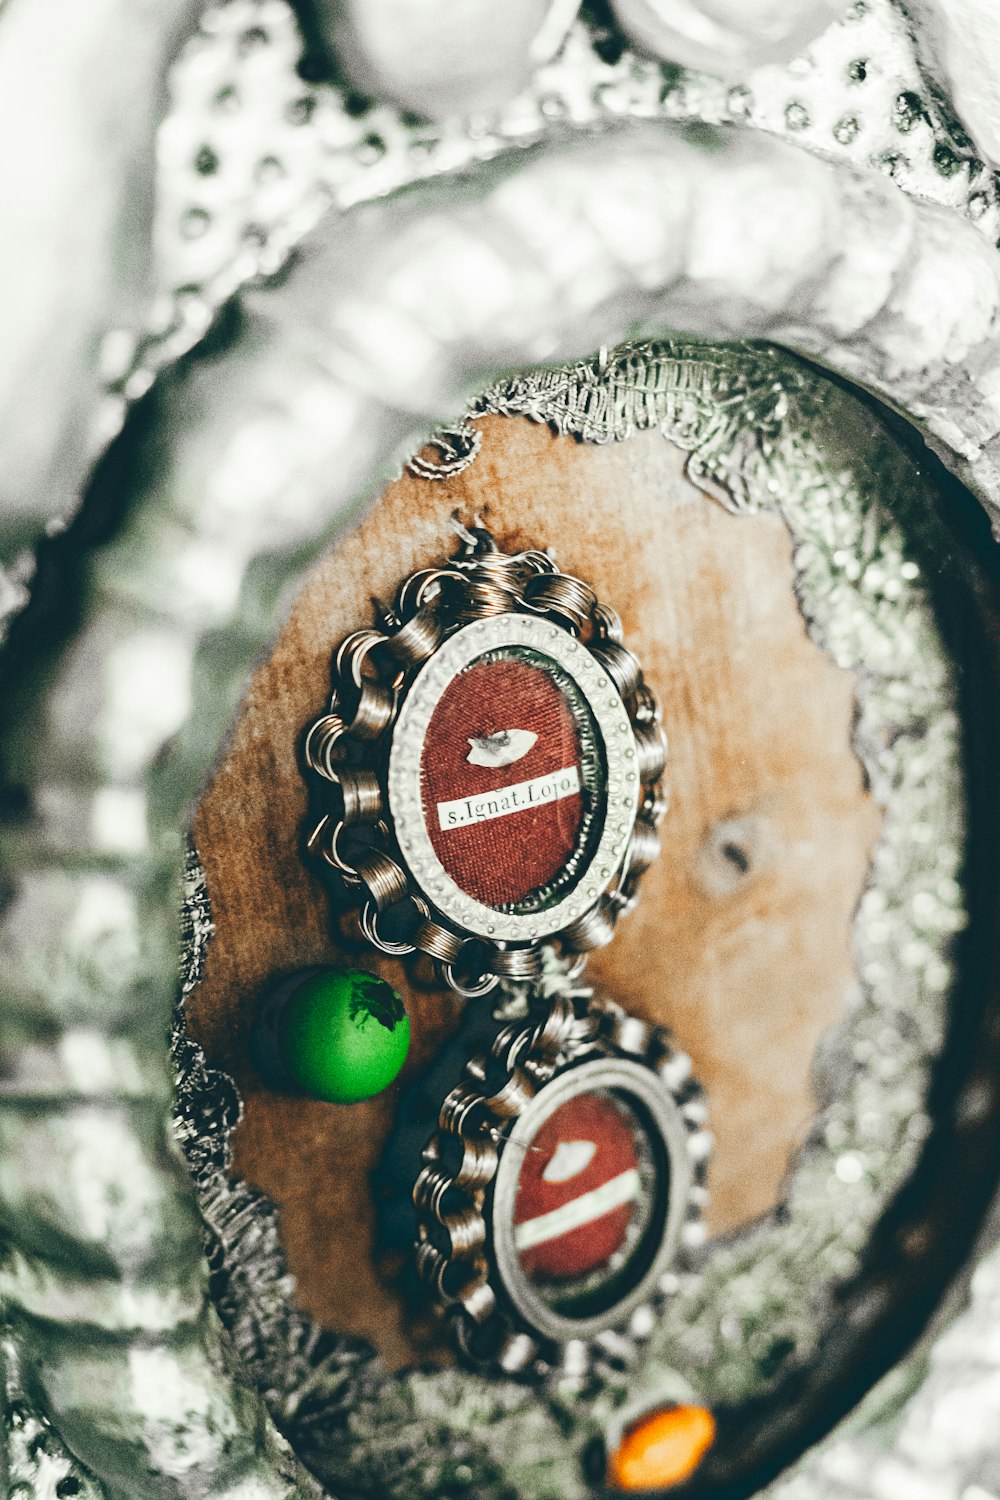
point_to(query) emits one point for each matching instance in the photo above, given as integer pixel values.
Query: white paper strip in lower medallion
(578, 1211)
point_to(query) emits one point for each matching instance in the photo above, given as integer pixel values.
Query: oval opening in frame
(589, 1200)
(512, 772)
(513, 778)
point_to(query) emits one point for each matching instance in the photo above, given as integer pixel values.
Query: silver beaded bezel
(405, 800)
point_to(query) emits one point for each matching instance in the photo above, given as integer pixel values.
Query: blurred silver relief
(395, 313)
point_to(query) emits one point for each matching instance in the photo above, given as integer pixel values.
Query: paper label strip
(523, 796)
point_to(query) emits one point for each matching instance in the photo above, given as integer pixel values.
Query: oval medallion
(514, 779)
(562, 1188)
(486, 777)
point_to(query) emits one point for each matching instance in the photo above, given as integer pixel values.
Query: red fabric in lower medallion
(586, 1149)
(510, 712)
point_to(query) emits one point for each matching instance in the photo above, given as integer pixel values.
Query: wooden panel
(741, 942)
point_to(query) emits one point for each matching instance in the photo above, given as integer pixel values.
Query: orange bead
(662, 1449)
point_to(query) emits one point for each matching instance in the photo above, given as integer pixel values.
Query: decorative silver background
(339, 368)
(768, 434)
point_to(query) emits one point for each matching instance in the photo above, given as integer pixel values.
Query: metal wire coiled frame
(346, 752)
(458, 1242)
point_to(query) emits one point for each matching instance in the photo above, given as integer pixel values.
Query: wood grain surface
(741, 941)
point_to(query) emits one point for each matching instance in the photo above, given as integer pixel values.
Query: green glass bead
(342, 1036)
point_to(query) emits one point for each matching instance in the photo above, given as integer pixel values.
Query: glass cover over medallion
(588, 1207)
(511, 779)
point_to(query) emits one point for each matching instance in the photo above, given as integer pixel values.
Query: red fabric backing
(500, 861)
(590, 1117)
